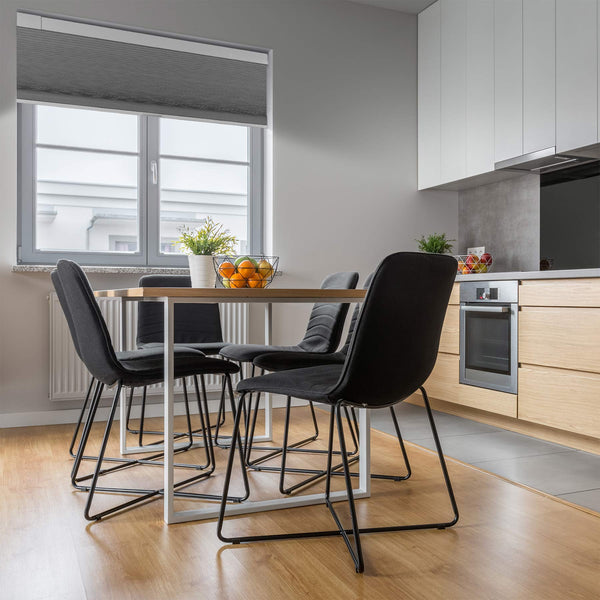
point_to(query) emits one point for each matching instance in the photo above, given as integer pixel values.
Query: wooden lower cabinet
(560, 398)
(568, 338)
(560, 292)
(443, 385)
(450, 341)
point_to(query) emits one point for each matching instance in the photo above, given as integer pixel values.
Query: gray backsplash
(505, 218)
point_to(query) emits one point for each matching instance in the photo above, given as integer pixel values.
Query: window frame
(148, 205)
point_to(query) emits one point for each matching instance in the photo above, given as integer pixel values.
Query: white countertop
(566, 274)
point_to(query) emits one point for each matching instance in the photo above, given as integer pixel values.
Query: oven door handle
(487, 309)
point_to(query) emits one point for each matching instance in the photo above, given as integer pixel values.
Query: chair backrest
(396, 340)
(88, 328)
(354, 320)
(326, 322)
(60, 294)
(194, 323)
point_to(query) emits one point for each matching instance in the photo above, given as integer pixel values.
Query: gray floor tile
(588, 498)
(558, 473)
(415, 425)
(493, 446)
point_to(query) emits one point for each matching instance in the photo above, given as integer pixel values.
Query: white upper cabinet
(576, 73)
(480, 87)
(503, 78)
(453, 87)
(539, 75)
(508, 77)
(429, 99)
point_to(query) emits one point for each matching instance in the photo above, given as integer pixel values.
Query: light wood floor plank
(510, 543)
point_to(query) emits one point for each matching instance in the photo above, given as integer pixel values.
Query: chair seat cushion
(282, 361)
(313, 383)
(208, 348)
(149, 370)
(143, 354)
(248, 352)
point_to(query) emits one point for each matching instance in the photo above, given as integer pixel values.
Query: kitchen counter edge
(566, 274)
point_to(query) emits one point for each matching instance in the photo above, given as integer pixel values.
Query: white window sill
(109, 270)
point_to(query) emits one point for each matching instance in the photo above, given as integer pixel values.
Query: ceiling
(407, 6)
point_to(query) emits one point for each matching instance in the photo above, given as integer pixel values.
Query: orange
(237, 281)
(226, 269)
(256, 281)
(246, 269)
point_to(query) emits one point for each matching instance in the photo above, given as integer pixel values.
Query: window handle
(154, 171)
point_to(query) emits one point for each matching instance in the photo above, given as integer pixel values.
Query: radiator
(69, 379)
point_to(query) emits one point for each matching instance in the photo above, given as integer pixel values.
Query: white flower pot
(202, 271)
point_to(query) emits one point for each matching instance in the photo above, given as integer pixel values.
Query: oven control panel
(490, 293)
(506, 292)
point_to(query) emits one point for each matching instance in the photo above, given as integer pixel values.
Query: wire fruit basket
(469, 264)
(245, 271)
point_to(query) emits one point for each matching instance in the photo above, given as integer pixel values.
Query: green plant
(209, 239)
(436, 243)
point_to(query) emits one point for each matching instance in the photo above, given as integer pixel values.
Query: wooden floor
(509, 543)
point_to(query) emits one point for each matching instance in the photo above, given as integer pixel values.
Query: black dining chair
(196, 327)
(129, 358)
(282, 361)
(323, 334)
(391, 355)
(93, 340)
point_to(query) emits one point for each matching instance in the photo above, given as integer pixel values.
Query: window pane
(203, 140)
(86, 201)
(190, 191)
(87, 129)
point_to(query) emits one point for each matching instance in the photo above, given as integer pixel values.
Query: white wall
(344, 152)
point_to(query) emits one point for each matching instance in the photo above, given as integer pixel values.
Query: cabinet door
(508, 78)
(576, 74)
(539, 75)
(480, 87)
(429, 96)
(453, 85)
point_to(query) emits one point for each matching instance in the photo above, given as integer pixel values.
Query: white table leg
(268, 435)
(169, 510)
(123, 399)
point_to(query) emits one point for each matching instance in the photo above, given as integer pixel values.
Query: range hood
(544, 161)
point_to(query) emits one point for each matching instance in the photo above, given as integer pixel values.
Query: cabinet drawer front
(563, 292)
(560, 398)
(443, 385)
(449, 341)
(568, 338)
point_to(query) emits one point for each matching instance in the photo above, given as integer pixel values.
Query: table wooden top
(243, 294)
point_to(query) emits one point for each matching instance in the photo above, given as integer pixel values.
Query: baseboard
(62, 417)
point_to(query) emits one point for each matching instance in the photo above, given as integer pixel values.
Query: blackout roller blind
(85, 70)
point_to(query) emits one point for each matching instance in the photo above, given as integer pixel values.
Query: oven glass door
(488, 342)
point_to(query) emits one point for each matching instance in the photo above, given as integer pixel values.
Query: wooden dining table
(169, 297)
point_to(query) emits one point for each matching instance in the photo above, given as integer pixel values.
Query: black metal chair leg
(402, 447)
(355, 531)
(78, 426)
(86, 431)
(206, 437)
(129, 405)
(284, 447)
(356, 549)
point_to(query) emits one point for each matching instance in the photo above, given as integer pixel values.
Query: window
(114, 188)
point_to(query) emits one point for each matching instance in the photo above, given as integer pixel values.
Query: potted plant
(436, 243)
(201, 244)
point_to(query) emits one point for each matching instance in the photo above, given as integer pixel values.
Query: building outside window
(115, 188)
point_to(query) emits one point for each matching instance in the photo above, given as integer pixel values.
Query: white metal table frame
(268, 297)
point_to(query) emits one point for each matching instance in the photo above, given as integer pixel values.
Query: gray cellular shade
(63, 68)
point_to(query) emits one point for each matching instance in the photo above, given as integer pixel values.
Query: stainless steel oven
(488, 334)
